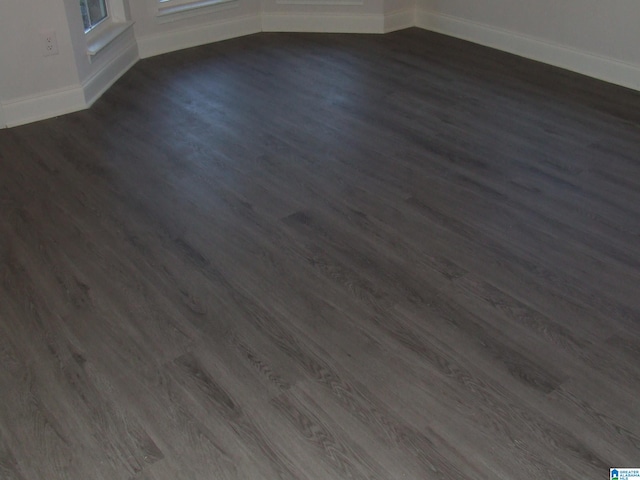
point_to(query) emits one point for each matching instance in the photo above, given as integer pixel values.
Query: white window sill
(172, 13)
(107, 35)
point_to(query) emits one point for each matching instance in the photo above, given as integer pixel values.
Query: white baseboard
(399, 20)
(100, 81)
(323, 23)
(44, 105)
(77, 97)
(151, 45)
(600, 67)
(60, 102)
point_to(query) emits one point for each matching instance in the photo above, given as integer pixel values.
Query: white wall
(318, 15)
(352, 16)
(25, 73)
(600, 38)
(158, 35)
(34, 87)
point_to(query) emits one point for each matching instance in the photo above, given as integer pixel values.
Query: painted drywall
(324, 7)
(34, 87)
(600, 38)
(25, 71)
(157, 35)
(394, 6)
(596, 37)
(355, 16)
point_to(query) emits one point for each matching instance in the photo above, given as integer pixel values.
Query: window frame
(110, 28)
(107, 15)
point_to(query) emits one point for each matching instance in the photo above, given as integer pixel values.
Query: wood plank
(312, 256)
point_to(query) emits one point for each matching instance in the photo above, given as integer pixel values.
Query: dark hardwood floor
(306, 256)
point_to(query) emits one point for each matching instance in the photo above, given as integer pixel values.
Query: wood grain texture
(307, 256)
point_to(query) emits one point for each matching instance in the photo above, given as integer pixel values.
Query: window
(103, 21)
(93, 12)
